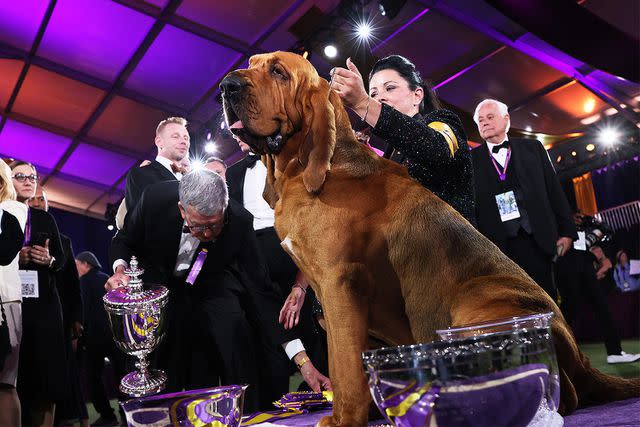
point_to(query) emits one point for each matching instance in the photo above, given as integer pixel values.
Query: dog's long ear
(270, 193)
(316, 151)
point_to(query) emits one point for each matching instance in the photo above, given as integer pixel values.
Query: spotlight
(573, 153)
(330, 51)
(363, 30)
(559, 159)
(590, 147)
(197, 164)
(110, 227)
(608, 136)
(390, 8)
(589, 105)
(210, 147)
(528, 129)
(208, 136)
(222, 125)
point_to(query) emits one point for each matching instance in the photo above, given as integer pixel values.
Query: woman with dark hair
(405, 112)
(41, 371)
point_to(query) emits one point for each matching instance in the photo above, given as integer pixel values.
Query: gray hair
(502, 109)
(205, 191)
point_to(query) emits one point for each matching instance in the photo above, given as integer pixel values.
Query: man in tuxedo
(520, 205)
(246, 181)
(172, 139)
(189, 232)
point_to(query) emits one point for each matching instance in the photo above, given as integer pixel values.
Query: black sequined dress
(437, 153)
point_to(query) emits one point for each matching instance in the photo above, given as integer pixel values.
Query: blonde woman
(14, 212)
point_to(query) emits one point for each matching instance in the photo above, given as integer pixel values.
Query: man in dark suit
(172, 139)
(97, 337)
(189, 232)
(520, 205)
(246, 180)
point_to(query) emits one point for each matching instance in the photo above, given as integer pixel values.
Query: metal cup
(137, 318)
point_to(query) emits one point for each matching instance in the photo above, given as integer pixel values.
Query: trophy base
(136, 384)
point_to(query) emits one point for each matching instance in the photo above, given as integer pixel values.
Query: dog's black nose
(231, 84)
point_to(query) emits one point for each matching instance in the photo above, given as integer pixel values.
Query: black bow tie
(498, 147)
(251, 160)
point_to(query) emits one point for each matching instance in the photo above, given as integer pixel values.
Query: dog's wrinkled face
(261, 103)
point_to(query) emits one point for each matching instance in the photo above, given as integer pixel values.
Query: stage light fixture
(363, 30)
(528, 129)
(590, 147)
(210, 147)
(110, 227)
(559, 159)
(589, 105)
(390, 8)
(197, 164)
(608, 136)
(330, 51)
(573, 153)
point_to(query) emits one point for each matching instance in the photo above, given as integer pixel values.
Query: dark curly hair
(408, 71)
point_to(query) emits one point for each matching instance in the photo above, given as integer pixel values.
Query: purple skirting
(622, 413)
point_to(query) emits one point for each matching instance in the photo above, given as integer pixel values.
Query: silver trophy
(136, 317)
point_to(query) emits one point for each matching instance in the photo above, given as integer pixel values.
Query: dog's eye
(278, 72)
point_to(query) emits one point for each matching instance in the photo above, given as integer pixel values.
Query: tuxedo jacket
(140, 178)
(153, 231)
(11, 238)
(546, 204)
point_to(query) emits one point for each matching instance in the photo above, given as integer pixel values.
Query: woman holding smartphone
(41, 371)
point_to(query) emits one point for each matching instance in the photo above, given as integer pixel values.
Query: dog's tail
(581, 384)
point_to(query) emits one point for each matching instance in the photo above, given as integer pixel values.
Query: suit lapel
(162, 171)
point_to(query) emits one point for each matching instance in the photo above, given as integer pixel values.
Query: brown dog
(386, 257)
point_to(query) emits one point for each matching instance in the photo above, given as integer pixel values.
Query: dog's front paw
(326, 422)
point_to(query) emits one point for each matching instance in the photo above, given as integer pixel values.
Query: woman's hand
(349, 86)
(290, 312)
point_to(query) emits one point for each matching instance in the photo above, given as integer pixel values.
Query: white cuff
(119, 262)
(293, 347)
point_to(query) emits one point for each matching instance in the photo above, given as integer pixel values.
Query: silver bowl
(216, 406)
(476, 377)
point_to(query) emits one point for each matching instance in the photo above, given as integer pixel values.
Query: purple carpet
(622, 413)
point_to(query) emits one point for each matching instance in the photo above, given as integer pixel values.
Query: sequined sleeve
(432, 140)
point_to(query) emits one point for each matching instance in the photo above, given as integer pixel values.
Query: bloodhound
(386, 258)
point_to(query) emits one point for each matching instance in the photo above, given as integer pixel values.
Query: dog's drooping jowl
(386, 258)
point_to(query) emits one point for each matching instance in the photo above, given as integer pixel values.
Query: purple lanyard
(197, 266)
(27, 229)
(503, 174)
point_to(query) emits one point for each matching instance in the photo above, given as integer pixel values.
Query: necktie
(497, 148)
(251, 160)
(177, 168)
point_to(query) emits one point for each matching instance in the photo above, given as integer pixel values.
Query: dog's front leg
(346, 314)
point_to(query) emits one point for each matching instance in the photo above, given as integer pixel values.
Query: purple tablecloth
(622, 413)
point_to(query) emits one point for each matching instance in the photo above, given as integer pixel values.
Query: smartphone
(39, 238)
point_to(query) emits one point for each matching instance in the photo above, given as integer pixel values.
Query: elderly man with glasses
(189, 236)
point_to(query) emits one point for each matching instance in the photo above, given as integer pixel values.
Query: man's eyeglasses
(20, 177)
(197, 229)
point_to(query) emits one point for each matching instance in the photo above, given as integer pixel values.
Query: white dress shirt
(254, 180)
(167, 164)
(501, 155)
